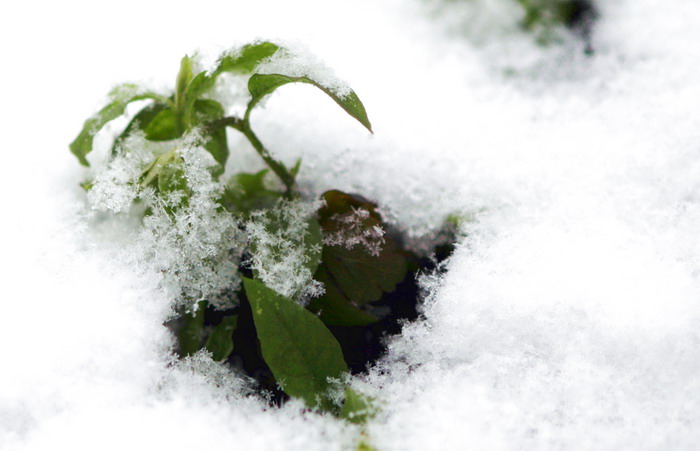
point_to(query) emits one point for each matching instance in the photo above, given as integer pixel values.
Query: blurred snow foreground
(567, 318)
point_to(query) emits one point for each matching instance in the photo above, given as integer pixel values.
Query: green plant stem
(243, 126)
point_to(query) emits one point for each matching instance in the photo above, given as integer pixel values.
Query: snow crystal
(280, 254)
(351, 231)
(115, 187)
(197, 247)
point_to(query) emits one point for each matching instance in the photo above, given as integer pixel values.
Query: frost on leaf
(194, 245)
(286, 248)
(300, 63)
(360, 263)
(351, 229)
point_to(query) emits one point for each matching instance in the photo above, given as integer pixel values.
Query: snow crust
(568, 317)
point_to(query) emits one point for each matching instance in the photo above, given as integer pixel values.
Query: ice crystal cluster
(280, 258)
(196, 247)
(352, 232)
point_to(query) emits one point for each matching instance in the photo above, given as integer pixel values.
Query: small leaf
(207, 110)
(242, 62)
(200, 84)
(260, 85)
(190, 334)
(82, 145)
(295, 170)
(220, 342)
(184, 77)
(152, 172)
(245, 193)
(358, 408)
(215, 141)
(171, 177)
(301, 352)
(247, 59)
(334, 308)
(140, 121)
(164, 126)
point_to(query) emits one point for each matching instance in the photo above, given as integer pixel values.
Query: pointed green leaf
(184, 77)
(82, 145)
(358, 408)
(295, 170)
(190, 334)
(301, 352)
(260, 85)
(220, 342)
(242, 62)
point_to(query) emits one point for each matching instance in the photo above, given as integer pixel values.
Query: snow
(279, 258)
(568, 317)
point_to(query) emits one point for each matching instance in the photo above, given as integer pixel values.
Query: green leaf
(247, 59)
(354, 274)
(241, 62)
(171, 177)
(152, 173)
(184, 77)
(215, 141)
(207, 110)
(361, 276)
(245, 193)
(303, 355)
(164, 126)
(334, 308)
(358, 408)
(260, 85)
(220, 342)
(199, 85)
(140, 121)
(82, 145)
(295, 170)
(190, 334)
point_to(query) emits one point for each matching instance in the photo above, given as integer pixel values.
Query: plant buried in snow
(347, 261)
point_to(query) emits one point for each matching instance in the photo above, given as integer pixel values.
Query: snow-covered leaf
(358, 408)
(82, 145)
(215, 141)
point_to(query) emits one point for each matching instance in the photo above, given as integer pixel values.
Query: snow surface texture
(568, 317)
